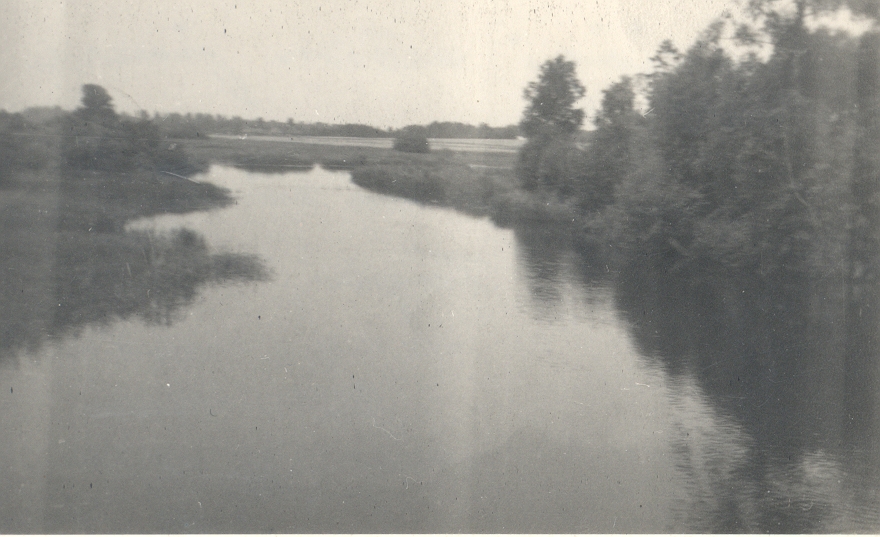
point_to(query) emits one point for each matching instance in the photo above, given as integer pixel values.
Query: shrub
(412, 139)
(96, 138)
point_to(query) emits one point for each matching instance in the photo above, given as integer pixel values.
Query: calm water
(407, 368)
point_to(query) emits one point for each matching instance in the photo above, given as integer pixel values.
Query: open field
(267, 154)
(472, 145)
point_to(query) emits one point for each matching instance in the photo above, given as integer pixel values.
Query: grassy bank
(267, 156)
(477, 184)
(101, 201)
(485, 192)
(480, 184)
(68, 261)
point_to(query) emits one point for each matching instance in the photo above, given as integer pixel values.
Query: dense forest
(754, 151)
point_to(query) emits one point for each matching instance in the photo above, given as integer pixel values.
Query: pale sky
(380, 62)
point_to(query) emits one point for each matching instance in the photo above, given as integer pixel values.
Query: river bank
(476, 183)
(69, 260)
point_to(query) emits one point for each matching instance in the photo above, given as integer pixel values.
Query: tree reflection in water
(787, 369)
(774, 361)
(551, 260)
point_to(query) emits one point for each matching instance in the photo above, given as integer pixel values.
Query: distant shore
(477, 145)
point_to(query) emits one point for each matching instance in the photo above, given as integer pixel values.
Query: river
(406, 368)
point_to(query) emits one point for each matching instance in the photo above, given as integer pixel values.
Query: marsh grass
(480, 184)
(474, 188)
(28, 201)
(100, 201)
(68, 262)
(267, 156)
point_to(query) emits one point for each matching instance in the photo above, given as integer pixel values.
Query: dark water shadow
(103, 278)
(98, 279)
(789, 368)
(555, 264)
(785, 367)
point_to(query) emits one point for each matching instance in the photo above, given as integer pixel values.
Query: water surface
(407, 368)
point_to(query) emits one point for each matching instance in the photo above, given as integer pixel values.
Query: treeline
(176, 125)
(755, 161)
(446, 129)
(106, 168)
(183, 126)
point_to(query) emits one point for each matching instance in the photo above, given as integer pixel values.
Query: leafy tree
(549, 121)
(93, 138)
(609, 156)
(551, 100)
(667, 57)
(96, 102)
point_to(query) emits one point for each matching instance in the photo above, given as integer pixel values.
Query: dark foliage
(95, 137)
(549, 122)
(449, 129)
(551, 101)
(68, 260)
(24, 145)
(413, 182)
(412, 139)
(739, 163)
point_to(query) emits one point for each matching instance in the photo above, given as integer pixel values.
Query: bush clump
(412, 139)
(97, 138)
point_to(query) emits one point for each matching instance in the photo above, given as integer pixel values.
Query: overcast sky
(380, 62)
